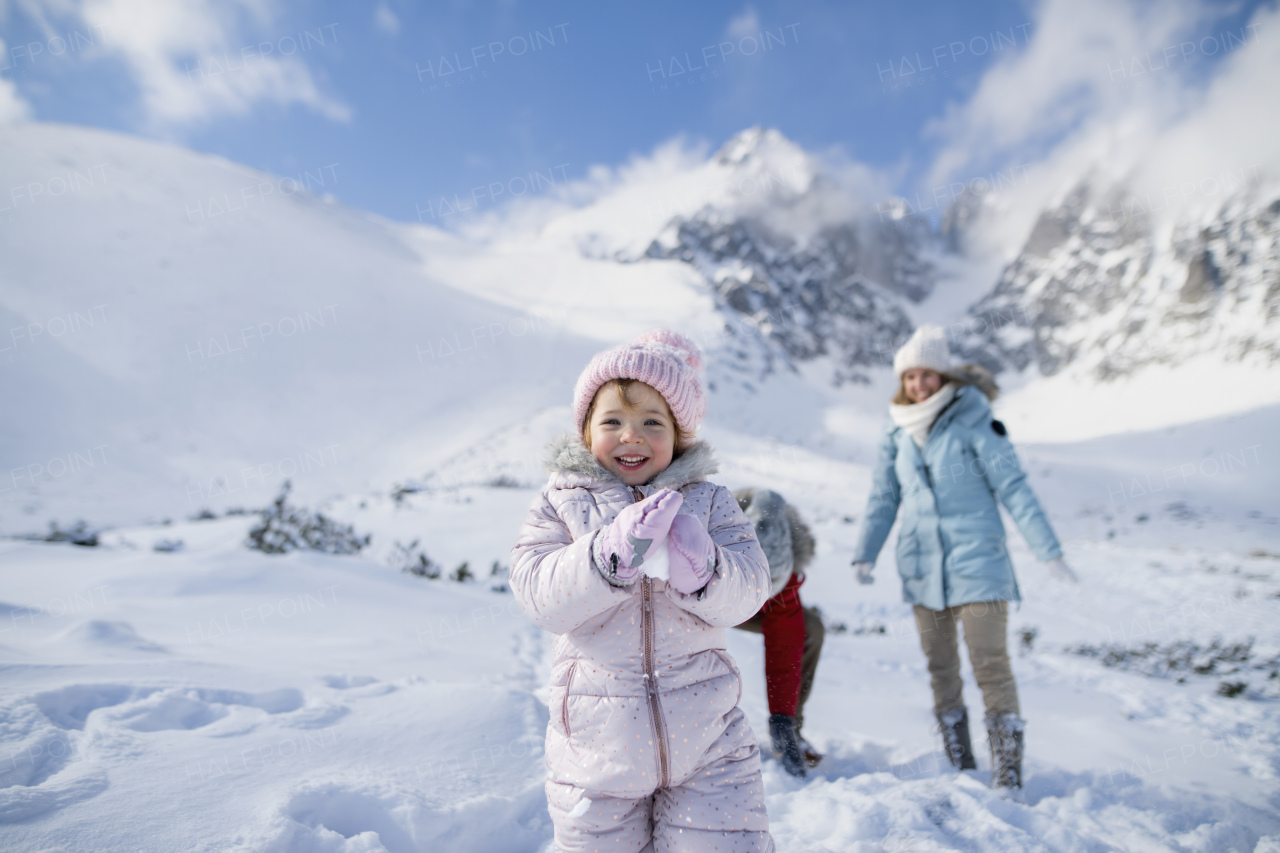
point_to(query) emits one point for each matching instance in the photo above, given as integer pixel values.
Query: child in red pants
(793, 633)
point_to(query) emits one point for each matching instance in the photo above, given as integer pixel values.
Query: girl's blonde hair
(683, 438)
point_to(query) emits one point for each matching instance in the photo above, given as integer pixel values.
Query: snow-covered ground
(171, 689)
(210, 697)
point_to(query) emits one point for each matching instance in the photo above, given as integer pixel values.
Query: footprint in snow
(44, 738)
(40, 764)
(359, 685)
(73, 784)
(346, 682)
(151, 709)
(371, 816)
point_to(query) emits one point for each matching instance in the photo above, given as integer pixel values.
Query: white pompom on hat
(927, 348)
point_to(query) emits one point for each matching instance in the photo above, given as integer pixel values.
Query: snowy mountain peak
(759, 172)
(766, 151)
(748, 143)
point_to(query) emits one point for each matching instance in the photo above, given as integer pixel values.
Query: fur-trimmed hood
(788, 547)
(803, 544)
(567, 454)
(976, 375)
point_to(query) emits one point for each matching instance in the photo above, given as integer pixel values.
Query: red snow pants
(793, 638)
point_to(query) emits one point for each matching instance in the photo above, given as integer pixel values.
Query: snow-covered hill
(184, 332)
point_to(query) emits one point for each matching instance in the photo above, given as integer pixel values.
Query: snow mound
(349, 815)
(114, 635)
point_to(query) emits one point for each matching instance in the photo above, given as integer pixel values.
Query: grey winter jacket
(951, 545)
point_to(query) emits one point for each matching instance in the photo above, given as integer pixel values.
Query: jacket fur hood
(802, 542)
(786, 540)
(977, 376)
(568, 455)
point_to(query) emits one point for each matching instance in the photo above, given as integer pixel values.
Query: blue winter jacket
(951, 547)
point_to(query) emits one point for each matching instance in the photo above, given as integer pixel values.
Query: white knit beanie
(926, 348)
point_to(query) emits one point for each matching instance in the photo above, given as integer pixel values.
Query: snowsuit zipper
(650, 676)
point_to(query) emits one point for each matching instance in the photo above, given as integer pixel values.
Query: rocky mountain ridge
(1097, 285)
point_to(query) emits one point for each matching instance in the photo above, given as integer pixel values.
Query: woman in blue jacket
(944, 460)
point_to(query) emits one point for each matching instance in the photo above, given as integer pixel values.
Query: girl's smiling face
(921, 383)
(633, 436)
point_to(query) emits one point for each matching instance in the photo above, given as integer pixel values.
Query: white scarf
(917, 418)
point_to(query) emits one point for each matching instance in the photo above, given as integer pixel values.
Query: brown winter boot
(812, 758)
(1005, 733)
(954, 725)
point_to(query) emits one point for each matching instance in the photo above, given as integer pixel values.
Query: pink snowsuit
(644, 697)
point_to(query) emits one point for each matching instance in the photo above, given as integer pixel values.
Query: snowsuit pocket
(564, 703)
(734, 670)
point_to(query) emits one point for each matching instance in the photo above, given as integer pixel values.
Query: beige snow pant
(986, 634)
(718, 809)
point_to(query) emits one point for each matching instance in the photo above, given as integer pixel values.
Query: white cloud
(385, 20)
(1118, 92)
(1068, 74)
(745, 23)
(1233, 123)
(13, 108)
(193, 61)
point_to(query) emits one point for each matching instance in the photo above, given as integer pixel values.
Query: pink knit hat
(664, 359)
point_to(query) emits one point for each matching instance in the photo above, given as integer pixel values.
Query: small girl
(638, 565)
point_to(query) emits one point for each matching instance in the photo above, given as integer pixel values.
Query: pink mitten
(620, 547)
(693, 554)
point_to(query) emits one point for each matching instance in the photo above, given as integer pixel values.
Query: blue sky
(405, 102)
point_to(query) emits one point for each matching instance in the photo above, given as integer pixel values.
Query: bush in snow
(498, 577)
(412, 559)
(462, 574)
(1183, 658)
(399, 492)
(285, 528)
(866, 629)
(79, 534)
